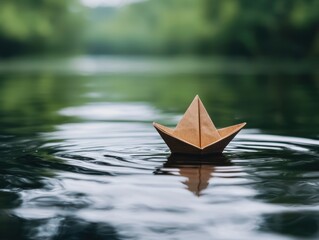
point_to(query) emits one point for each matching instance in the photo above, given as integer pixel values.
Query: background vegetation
(46, 26)
(263, 28)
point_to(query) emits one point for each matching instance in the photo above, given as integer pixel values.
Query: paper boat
(196, 133)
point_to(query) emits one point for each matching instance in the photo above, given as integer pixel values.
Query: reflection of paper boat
(196, 133)
(197, 170)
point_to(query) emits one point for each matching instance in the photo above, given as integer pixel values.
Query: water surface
(80, 158)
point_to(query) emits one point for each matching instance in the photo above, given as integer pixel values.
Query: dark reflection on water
(81, 160)
(55, 228)
(302, 224)
(197, 170)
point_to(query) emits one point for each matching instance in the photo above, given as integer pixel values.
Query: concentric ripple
(111, 174)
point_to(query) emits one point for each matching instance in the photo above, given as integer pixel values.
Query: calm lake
(80, 158)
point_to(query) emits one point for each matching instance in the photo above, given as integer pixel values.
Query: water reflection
(303, 224)
(78, 155)
(70, 228)
(197, 170)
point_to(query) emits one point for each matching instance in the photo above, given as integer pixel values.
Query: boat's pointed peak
(196, 126)
(192, 113)
(208, 131)
(188, 126)
(197, 98)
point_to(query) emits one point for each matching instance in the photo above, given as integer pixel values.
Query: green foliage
(286, 28)
(30, 26)
(166, 26)
(260, 28)
(263, 28)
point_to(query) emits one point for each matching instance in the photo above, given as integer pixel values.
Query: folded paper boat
(196, 133)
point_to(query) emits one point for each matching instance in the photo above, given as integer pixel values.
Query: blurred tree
(286, 28)
(264, 28)
(161, 27)
(31, 26)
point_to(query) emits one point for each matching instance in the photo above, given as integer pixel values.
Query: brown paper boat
(196, 133)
